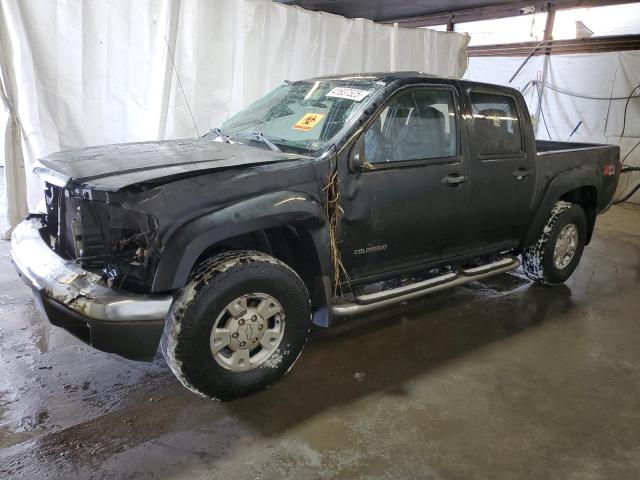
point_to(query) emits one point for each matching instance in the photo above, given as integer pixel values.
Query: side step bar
(373, 301)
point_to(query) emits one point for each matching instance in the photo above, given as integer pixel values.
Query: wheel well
(587, 198)
(289, 244)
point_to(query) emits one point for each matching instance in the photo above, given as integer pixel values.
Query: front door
(406, 208)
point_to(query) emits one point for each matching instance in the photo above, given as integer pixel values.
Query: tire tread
(210, 273)
(534, 256)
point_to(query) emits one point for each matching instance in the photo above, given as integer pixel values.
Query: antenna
(181, 89)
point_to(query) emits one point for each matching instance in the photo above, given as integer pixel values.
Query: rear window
(496, 124)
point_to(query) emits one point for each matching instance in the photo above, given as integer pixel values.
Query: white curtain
(599, 75)
(94, 72)
(14, 172)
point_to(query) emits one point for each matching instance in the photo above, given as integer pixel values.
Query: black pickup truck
(328, 197)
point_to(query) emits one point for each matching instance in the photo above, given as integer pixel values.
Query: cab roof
(408, 75)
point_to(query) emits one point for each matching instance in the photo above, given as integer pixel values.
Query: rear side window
(415, 125)
(496, 125)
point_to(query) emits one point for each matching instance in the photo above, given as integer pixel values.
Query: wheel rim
(247, 332)
(566, 246)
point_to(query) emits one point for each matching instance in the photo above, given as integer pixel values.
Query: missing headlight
(115, 240)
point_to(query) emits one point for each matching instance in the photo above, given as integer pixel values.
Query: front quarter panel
(185, 246)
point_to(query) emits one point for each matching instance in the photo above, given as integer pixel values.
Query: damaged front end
(88, 262)
(101, 236)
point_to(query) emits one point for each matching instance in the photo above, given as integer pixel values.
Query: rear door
(408, 206)
(502, 169)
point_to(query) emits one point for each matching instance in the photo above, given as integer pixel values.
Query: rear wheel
(557, 252)
(238, 326)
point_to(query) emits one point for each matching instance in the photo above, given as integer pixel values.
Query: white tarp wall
(95, 72)
(597, 75)
(4, 117)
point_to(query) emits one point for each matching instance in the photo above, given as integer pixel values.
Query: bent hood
(113, 167)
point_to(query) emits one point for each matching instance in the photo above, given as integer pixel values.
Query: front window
(415, 125)
(302, 117)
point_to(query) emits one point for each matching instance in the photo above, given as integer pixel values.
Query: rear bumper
(79, 301)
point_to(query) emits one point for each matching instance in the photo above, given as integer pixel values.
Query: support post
(548, 36)
(450, 24)
(394, 46)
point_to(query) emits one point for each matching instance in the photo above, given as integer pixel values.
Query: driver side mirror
(357, 160)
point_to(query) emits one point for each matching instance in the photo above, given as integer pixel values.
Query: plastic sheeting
(14, 172)
(569, 79)
(94, 72)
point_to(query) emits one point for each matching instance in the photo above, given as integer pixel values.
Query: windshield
(302, 117)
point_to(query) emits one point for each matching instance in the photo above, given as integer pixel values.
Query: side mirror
(357, 159)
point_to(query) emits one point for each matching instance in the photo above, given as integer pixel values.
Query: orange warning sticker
(308, 121)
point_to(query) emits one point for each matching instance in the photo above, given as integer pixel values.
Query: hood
(113, 167)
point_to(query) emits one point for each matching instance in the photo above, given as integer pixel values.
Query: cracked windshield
(300, 117)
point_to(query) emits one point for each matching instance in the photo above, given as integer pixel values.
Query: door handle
(521, 173)
(453, 179)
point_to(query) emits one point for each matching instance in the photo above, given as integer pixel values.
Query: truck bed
(554, 158)
(549, 146)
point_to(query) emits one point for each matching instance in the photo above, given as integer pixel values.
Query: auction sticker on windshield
(308, 121)
(354, 94)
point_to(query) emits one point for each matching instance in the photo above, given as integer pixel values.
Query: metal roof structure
(421, 13)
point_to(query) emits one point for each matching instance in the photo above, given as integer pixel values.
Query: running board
(373, 301)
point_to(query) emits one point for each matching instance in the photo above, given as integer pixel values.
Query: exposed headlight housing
(102, 236)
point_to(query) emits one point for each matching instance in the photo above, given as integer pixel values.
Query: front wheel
(238, 326)
(556, 253)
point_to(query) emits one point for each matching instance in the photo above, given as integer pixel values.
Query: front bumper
(79, 301)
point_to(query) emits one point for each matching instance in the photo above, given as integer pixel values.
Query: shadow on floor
(387, 350)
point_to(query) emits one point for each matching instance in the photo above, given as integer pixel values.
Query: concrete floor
(501, 379)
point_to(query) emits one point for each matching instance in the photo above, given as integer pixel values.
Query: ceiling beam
(490, 12)
(611, 43)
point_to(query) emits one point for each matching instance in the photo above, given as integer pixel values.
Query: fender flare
(560, 185)
(185, 245)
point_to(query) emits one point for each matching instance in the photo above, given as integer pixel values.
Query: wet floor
(500, 379)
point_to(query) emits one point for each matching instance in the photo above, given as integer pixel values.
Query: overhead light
(582, 31)
(527, 10)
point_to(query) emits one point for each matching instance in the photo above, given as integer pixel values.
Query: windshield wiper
(261, 138)
(257, 135)
(218, 134)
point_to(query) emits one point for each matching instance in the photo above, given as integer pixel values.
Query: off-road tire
(216, 282)
(537, 259)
